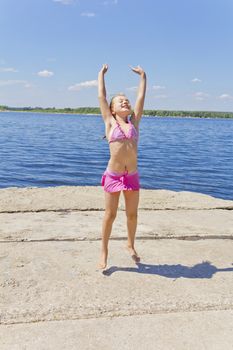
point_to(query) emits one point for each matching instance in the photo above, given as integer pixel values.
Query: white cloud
(88, 14)
(196, 80)
(200, 96)
(158, 87)
(225, 97)
(8, 70)
(132, 88)
(29, 85)
(64, 2)
(112, 2)
(13, 82)
(160, 96)
(83, 85)
(45, 73)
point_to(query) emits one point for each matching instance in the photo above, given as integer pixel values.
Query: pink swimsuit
(118, 134)
(115, 182)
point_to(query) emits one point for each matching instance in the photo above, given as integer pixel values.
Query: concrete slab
(204, 330)
(43, 281)
(76, 225)
(92, 198)
(52, 296)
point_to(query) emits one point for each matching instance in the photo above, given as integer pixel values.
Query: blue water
(181, 154)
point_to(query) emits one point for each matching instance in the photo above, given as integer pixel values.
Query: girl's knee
(110, 215)
(132, 216)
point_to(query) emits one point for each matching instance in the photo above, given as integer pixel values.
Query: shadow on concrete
(202, 270)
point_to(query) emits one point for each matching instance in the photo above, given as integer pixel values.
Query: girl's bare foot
(134, 254)
(103, 260)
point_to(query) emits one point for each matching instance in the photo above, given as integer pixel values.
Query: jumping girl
(121, 174)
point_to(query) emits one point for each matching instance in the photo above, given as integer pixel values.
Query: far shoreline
(155, 114)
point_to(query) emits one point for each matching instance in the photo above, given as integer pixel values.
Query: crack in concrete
(119, 313)
(142, 238)
(101, 209)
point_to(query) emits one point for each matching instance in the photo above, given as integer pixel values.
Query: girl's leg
(111, 205)
(131, 208)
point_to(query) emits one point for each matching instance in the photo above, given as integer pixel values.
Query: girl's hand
(137, 70)
(104, 68)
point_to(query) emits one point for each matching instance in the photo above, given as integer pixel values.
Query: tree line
(96, 110)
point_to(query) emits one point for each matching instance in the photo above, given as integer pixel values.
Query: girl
(121, 173)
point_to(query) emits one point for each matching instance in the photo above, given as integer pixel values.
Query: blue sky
(52, 50)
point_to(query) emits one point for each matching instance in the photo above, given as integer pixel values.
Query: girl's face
(121, 106)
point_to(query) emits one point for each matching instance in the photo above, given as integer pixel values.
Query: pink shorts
(115, 182)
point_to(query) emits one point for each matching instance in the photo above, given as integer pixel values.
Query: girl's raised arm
(138, 109)
(104, 107)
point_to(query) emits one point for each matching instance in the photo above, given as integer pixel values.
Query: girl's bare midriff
(123, 156)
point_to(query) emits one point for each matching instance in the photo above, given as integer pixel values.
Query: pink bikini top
(118, 134)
